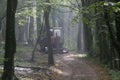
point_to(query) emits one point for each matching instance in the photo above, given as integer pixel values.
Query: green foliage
(1, 59)
(89, 16)
(99, 6)
(70, 44)
(1, 52)
(23, 63)
(115, 74)
(22, 49)
(2, 47)
(111, 7)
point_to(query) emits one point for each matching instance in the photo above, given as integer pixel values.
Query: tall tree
(117, 25)
(47, 24)
(10, 41)
(114, 32)
(87, 30)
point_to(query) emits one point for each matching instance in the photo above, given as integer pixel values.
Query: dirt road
(73, 66)
(69, 66)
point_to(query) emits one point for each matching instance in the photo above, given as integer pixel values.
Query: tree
(117, 25)
(107, 33)
(10, 41)
(112, 15)
(50, 51)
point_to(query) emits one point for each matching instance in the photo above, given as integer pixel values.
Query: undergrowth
(22, 49)
(115, 75)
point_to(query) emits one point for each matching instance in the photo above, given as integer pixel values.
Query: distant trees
(10, 41)
(26, 22)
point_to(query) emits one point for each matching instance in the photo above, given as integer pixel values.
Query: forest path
(73, 66)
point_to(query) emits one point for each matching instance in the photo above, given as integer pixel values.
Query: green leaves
(115, 74)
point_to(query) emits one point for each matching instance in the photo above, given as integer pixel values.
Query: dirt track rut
(74, 67)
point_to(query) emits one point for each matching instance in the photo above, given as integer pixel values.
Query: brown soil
(69, 66)
(73, 66)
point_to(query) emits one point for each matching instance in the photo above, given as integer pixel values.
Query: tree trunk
(115, 42)
(31, 32)
(33, 52)
(88, 39)
(10, 41)
(50, 51)
(117, 22)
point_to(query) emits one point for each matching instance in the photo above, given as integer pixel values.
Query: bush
(115, 74)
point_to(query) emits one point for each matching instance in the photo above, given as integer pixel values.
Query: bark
(117, 22)
(20, 35)
(87, 38)
(31, 32)
(87, 30)
(33, 52)
(10, 41)
(79, 40)
(117, 25)
(50, 51)
(114, 41)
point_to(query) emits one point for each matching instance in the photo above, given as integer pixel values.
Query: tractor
(56, 41)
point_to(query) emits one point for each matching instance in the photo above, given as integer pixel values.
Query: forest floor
(74, 66)
(69, 66)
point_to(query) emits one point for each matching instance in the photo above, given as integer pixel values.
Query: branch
(73, 4)
(78, 3)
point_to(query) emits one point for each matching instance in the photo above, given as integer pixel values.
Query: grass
(98, 67)
(23, 63)
(22, 49)
(23, 57)
(115, 74)
(24, 54)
